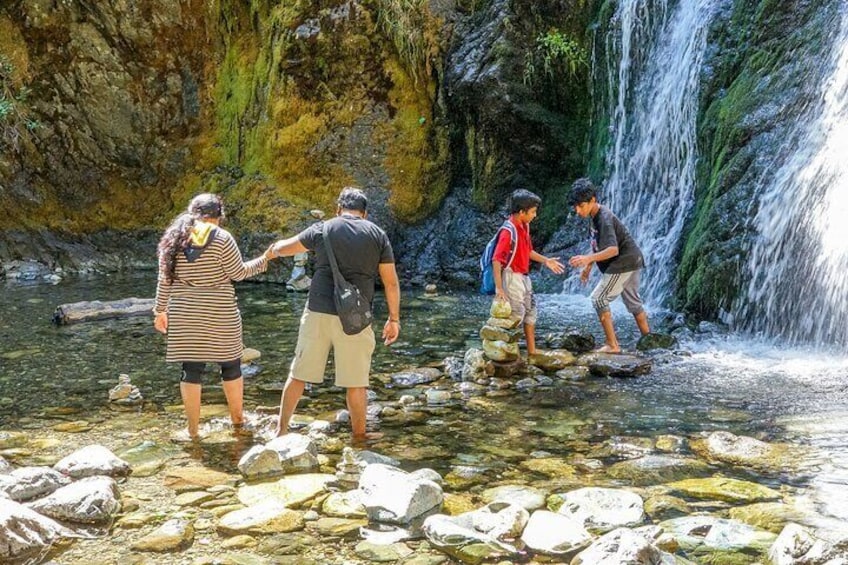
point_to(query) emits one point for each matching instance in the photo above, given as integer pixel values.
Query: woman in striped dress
(196, 303)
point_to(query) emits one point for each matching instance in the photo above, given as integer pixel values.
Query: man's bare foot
(608, 349)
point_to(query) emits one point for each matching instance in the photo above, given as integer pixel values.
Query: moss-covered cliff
(120, 111)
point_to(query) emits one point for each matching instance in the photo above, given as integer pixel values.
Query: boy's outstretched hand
(554, 265)
(580, 261)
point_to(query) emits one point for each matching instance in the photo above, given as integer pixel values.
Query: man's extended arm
(285, 248)
(388, 275)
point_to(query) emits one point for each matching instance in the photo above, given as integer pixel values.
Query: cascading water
(797, 267)
(654, 54)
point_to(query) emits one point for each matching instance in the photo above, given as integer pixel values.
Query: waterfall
(654, 54)
(797, 266)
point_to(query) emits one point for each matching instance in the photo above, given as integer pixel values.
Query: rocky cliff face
(762, 74)
(121, 111)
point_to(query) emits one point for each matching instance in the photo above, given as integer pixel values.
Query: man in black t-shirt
(363, 252)
(618, 258)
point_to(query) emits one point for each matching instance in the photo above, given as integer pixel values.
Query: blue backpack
(487, 282)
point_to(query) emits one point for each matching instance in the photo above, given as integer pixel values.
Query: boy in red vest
(512, 280)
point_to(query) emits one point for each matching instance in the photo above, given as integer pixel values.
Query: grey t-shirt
(608, 231)
(359, 245)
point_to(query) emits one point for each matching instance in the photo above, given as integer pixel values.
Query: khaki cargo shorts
(519, 291)
(351, 353)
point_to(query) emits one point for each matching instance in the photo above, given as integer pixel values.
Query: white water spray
(797, 267)
(654, 58)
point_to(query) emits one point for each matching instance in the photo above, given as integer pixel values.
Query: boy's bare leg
(642, 322)
(530, 337)
(292, 392)
(611, 345)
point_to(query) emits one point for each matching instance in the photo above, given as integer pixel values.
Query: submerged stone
(654, 469)
(724, 489)
(725, 447)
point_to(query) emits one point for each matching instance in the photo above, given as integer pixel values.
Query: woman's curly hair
(178, 235)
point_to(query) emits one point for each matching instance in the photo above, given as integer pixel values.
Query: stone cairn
(500, 337)
(299, 281)
(348, 470)
(125, 394)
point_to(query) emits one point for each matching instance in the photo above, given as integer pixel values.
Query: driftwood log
(96, 310)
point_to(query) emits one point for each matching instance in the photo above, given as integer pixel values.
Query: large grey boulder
(394, 496)
(603, 509)
(621, 546)
(25, 534)
(93, 460)
(27, 483)
(615, 364)
(291, 453)
(483, 532)
(93, 500)
(555, 534)
(797, 545)
(415, 377)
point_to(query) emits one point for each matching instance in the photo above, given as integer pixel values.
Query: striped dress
(204, 323)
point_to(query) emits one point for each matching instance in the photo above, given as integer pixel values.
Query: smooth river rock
(93, 460)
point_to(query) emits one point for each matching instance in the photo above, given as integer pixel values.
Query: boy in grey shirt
(618, 258)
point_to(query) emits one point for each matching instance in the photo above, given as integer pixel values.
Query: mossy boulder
(723, 489)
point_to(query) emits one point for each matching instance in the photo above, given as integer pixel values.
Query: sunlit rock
(339, 527)
(621, 546)
(529, 498)
(603, 509)
(382, 553)
(457, 536)
(724, 489)
(25, 534)
(500, 350)
(615, 364)
(193, 477)
(652, 341)
(665, 507)
(93, 500)
(148, 457)
(725, 447)
(394, 496)
(27, 483)
(10, 440)
(5, 466)
(291, 453)
(93, 460)
(653, 469)
(500, 309)
(344, 505)
(771, 516)
(552, 360)
(493, 333)
(796, 545)
(474, 365)
(555, 534)
(415, 377)
(266, 517)
(709, 533)
(289, 491)
(670, 443)
(174, 535)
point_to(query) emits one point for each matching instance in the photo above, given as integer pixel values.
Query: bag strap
(513, 236)
(337, 275)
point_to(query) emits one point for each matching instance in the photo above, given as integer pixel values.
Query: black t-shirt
(359, 245)
(608, 231)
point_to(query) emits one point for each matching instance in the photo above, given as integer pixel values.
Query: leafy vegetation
(555, 54)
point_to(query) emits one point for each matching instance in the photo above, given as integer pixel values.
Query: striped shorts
(614, 285)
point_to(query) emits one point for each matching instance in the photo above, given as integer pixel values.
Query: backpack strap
(513, 234)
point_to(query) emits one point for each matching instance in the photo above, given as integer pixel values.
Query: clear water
(714, 383)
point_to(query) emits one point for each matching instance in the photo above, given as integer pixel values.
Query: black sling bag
(353, 310)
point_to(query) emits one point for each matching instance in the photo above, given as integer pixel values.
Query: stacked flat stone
(125, 393)
(349, 469)
(501, 333)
